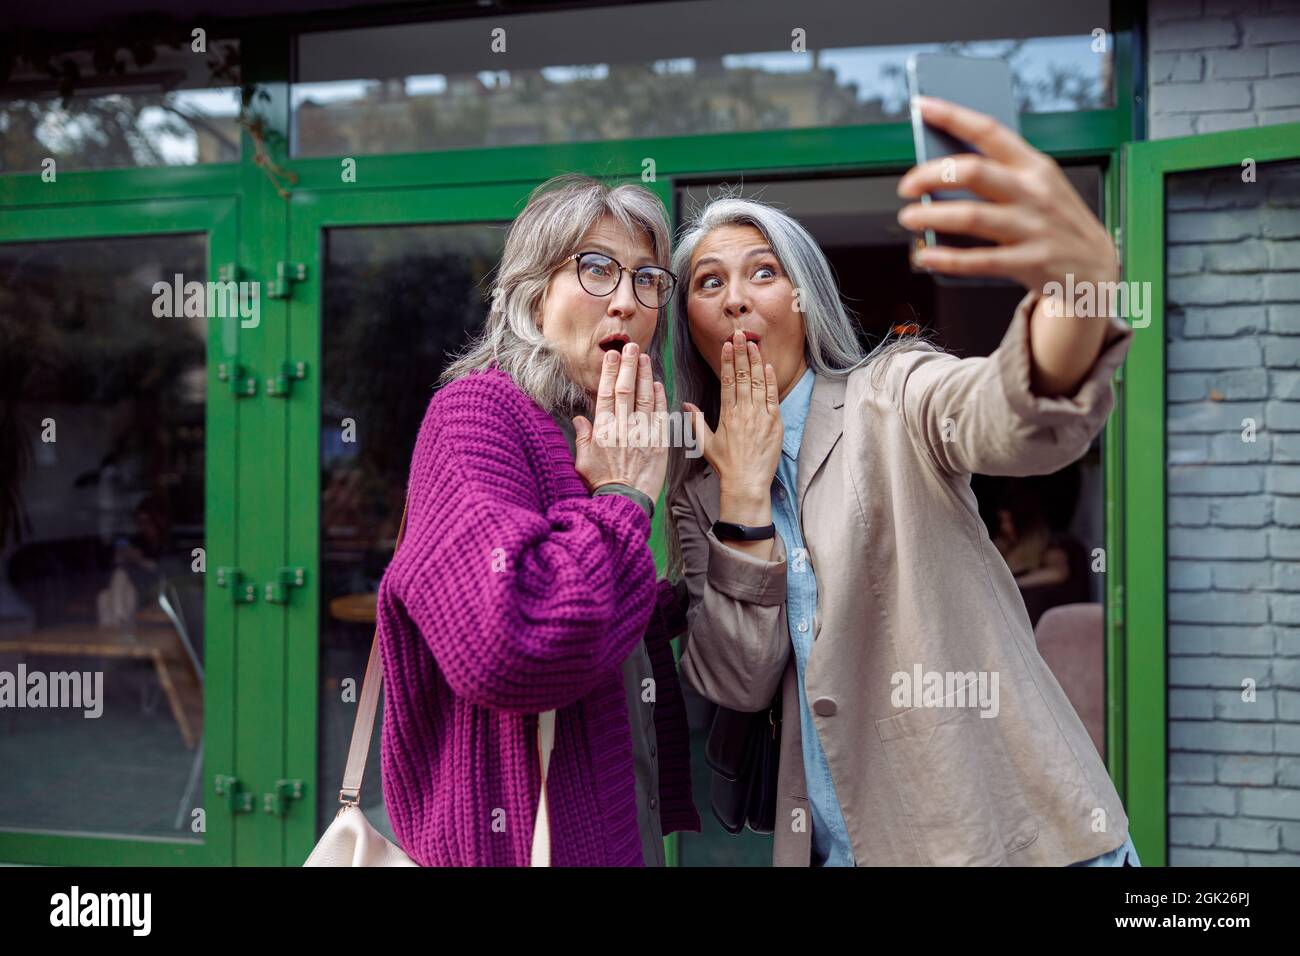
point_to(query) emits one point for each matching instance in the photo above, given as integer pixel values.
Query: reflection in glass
(398, 301)
(669, 69)
(167, 106)
(101, 504)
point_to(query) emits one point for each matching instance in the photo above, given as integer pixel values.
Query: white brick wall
(1215, 66)
(1233, 353)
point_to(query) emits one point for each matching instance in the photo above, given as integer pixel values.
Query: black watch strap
(728, 531)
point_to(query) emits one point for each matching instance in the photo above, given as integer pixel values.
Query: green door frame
(311, 213)
(217, 219)
(275, 718)
(1145, 167)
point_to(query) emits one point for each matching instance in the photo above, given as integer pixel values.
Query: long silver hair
(831, 344)
(549, 230)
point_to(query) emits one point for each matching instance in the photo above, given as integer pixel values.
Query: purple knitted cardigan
(515, 592)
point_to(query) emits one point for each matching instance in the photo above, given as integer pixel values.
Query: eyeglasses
(600, 275)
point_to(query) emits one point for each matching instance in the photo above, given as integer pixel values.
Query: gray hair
(831, 345)
(557, 215)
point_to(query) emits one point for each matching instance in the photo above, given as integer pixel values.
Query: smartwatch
(727, 531)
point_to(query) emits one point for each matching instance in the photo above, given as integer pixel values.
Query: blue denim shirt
(1116, 857)
(830, 836)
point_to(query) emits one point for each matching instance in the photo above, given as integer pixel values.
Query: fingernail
(611, 357)
(645, 360)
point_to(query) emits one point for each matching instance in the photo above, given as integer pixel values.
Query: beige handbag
(350, 840)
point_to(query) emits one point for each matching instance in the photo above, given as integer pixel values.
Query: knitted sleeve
(524, 607)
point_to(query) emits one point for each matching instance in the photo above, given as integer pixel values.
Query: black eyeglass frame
(668, 293)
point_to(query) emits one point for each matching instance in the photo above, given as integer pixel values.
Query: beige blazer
(908, 579)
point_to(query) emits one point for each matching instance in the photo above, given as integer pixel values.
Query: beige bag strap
(363, 729)
(542, 825)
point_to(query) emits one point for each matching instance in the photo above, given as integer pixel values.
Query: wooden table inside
(151, 639)
(354, 608)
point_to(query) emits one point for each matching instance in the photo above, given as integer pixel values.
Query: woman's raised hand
(746, 448)
(628, 444)
(1042, 228)
(1045, 237)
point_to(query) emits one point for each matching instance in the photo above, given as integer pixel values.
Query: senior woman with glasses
(832, 547)
(524, 582)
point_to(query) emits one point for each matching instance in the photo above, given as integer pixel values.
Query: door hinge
(277, 801)
(242, 383)
(237, 798)
(242, 592)
(286, 273)
(277, 592)
(281, 385)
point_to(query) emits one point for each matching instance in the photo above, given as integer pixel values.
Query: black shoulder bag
(743, 751)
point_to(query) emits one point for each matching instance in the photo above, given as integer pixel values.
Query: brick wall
(1217, 66)
(1233, 341)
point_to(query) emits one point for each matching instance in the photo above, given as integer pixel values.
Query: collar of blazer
(821, 431)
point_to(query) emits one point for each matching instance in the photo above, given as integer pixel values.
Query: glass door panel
(105, 494)
(396, 284)
(398, 301)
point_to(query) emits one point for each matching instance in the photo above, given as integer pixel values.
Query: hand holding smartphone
(978, 178)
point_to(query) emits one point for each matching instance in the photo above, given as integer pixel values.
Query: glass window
(102, 425)
(167, 106)
(666, 69)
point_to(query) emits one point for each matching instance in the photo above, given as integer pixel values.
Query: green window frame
(1146, 166)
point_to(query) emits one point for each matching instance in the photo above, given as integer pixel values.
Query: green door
(1179, 194)
(119, 505)
(395, 282)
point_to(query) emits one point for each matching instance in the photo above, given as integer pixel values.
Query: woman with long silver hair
(832, 548)
(524, 583)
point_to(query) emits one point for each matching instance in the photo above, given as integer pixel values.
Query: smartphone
(978, 83)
